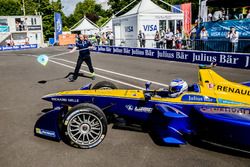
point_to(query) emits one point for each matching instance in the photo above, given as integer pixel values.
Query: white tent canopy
(107, 26)
(146, 7)
(85, 26)
(147, 17)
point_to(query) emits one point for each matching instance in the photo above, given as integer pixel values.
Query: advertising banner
(186, 8)
(220, 29)
(234, 60)
(4, 28)
(175, 9)
(34, 27)
(18, 47)
(66, 39)
(57, 25)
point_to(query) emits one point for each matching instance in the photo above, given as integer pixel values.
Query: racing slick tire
(85, 126)
(104, 85)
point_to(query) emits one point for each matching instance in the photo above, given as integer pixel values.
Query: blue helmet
(177, 87)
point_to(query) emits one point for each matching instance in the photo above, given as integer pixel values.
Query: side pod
(173, 125)
(47, 125)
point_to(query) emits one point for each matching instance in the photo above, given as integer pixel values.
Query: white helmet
(177, 87)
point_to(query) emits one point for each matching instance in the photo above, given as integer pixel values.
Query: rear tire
(85, 126)
(104, 85)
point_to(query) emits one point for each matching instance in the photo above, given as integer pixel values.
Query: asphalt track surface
(21, 105)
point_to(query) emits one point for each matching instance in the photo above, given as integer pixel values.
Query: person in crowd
(218, 15)
(111, 38)
(27, 41)
(104, 39)
(203, 38)
(7, 42)
(248, 14)
(98, 38)
(169, 39)
(142, 39)
(209, 16)
(162, 39)
(178, 40)
(17, 26)
(233, 37)
(157, 39)
(84, 55)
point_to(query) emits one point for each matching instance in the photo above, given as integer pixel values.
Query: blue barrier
(234, 60)
(18, 47)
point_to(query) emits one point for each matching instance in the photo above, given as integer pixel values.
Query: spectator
(27, 41)
(7, 42)
(98, 38)
(169, 39)
(178, 40)
(248, 14)
(157, 39)
(233, 36)
(111, 38)
(103, 39)
(142, 40)
(17, 26)
(162, 39)
(209, 17)
(203, 37)
(218, 15)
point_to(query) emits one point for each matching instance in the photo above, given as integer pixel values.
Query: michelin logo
(46, 132)
(139, 109)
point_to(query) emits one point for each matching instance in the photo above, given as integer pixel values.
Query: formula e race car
(214, 110)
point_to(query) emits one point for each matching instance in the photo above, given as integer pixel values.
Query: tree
(117, 5)
(10, 8)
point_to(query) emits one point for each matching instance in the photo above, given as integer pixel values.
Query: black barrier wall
(234, 60)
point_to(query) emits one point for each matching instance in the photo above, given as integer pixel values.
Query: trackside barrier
(18, 47)
(234, 60)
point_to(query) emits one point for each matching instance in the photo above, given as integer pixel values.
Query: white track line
(114, 80)
(116, 73)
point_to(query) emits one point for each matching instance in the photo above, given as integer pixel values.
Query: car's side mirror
(147, 85)
(147, 96)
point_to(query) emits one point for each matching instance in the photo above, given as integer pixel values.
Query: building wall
(22, 29)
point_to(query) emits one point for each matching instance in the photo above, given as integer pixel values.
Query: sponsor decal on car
(197, 98)
(223, 101)
(139, 109)
(215, 110)
(65, 100)
(228, 89)
(45, 132)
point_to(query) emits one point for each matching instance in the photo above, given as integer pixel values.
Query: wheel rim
(85, 129)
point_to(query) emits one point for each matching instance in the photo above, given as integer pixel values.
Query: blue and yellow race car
(214, 110)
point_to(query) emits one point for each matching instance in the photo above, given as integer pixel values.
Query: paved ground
(21, 106)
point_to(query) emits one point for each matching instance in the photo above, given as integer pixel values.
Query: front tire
(85, 126)
(104, 85)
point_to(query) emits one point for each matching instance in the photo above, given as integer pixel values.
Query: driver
(177, 87)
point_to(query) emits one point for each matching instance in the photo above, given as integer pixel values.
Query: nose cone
(49, 97)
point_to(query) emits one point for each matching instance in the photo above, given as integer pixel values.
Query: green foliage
(117, 5)
(10, 8)
(101, 21)
(93, 11)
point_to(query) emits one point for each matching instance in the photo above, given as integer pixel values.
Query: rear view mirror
(147, 85)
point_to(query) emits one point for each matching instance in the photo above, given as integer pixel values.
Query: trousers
(81, 59)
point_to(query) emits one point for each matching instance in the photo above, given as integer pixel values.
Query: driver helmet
(177, 87)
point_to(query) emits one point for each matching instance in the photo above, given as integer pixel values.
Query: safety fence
(18, 47)
(219, 45)
(234, 60)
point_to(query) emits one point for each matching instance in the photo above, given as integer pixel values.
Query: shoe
(71, 79)
(92, 74)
